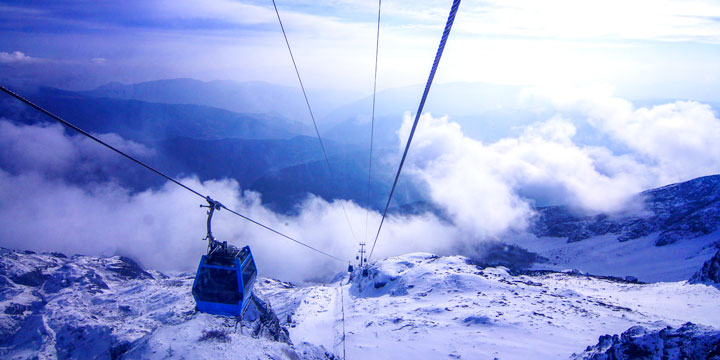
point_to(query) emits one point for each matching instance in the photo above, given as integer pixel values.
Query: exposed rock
(687, 342)
(126, 268)
(512, 257)
(30, 278)
(67, 276)
(31, 335)
(262, 320)
(675, 212)
(631, 279)
(16, 309)
(710, 272)
(84, 341)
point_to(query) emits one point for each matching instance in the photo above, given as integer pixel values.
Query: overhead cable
(312, 116)
(157, 172)
(443, 40)
(372, 121)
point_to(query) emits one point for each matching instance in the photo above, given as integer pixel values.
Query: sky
(644, 49)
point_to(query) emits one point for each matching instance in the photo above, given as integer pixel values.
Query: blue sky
(643, 49)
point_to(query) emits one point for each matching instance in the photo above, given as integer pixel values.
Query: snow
(413, 306)
(440, 307)
(182, 341)
(86, 308)
(605, 255)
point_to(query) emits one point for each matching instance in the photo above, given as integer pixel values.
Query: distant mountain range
(148, 122)
(260, 135)
(266, 152)
(242, 97)
(484, 111)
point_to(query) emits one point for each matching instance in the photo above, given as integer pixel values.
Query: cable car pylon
(362, 264)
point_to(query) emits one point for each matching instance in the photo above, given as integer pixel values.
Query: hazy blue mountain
(214, 143)
(286, 171)
(484, 111)
(147, 122)
(284, 188)
(242, 159)
(242, 97)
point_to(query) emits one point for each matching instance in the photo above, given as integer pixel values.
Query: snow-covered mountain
(679, 211)
(664, 234)
(82, 307)
(421, 306)
(415, 306)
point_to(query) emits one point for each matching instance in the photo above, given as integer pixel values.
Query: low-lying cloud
(163, 228)
(488, 190)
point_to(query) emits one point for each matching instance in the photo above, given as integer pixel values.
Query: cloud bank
(491, 188)
(163, 228)
(488, 190)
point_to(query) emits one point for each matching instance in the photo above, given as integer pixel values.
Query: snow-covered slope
(85, 307)
(604, 255)
(669, 237)
(420, 306)
(414, 306)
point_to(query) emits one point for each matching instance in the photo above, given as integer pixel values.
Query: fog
(487, 190)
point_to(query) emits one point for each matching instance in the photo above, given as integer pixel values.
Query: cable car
(225, 277)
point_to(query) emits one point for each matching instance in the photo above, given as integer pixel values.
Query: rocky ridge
(679, 211)
(689, 341)
(710, 272)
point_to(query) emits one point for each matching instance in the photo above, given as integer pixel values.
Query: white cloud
(488, 189)
(665, 20)
(15, 57)
(45, 149)
(162, 228)
(677, 140)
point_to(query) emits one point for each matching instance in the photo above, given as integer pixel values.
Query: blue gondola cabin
(224, 281)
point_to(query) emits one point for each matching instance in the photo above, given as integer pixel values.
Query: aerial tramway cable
(446, 33)
(441, 47)
(372, 121)
(157, 172)
(312, 116)
(81, 131)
